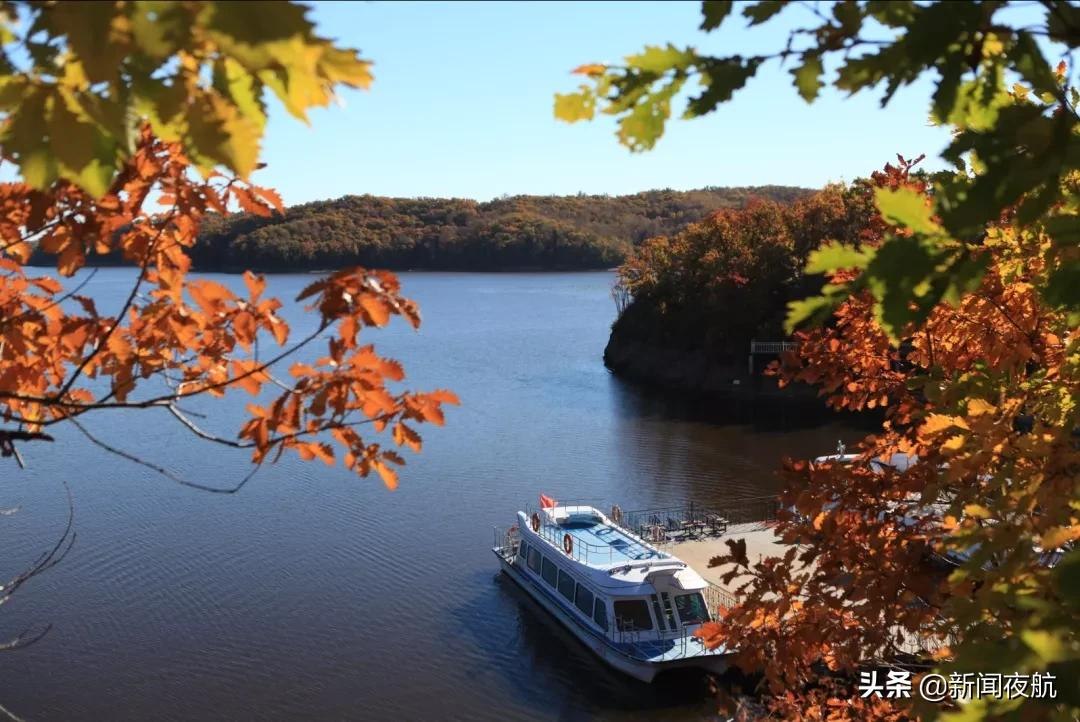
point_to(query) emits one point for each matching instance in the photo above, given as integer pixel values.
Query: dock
(696, 534)
(761, 542)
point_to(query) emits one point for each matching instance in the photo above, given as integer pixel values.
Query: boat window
(600, 613)
(669, 613)
(534, 560)
(566, 585)
(656, 610)
(523, 551)
(584, 600)
(632, 614)
(692, 609)
(550, 570)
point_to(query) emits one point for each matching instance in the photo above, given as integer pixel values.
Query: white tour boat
(635, 606)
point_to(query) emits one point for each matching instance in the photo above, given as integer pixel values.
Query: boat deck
(668, 650)
(606, 543)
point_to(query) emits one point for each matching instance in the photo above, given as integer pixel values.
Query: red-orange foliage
(750, 258)
(944, 561)
(195, 334)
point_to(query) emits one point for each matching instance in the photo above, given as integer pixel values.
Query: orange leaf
(251, 203)
(210, 295)
(589, 69)
(389, 476)
(376, 309)
(270, 196)
(246, 378)
(256, 284)
(444, 396)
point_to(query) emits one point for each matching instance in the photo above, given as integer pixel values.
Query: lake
(316, 594)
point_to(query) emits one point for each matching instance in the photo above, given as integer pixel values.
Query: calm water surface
(313, 594)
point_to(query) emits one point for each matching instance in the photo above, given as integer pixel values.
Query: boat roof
(608, 554)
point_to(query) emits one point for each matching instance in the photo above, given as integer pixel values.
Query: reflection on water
(314, 594)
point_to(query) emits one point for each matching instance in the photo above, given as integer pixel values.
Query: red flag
(546, 502)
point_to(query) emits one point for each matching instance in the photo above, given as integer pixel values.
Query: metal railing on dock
(664, 525)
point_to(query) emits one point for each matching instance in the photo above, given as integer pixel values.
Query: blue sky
(462, 106)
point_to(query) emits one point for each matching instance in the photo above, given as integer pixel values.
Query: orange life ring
(535, 522)
(568, 543)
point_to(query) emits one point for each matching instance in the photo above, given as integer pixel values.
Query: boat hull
(642, 670)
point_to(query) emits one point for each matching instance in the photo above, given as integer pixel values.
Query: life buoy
(616, 514)
(535, 522)
(568, 543)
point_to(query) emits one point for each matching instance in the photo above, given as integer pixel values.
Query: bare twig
(43, 563)
(160, 469)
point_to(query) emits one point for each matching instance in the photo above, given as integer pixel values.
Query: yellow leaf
(954, 443)
(936, 423)
(1059, 536)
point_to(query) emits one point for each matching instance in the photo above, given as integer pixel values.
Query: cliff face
(676, 369)
(672, 353)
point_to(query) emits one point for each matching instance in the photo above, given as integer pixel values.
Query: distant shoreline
(38, 262)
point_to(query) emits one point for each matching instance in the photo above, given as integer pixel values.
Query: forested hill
(520, 232)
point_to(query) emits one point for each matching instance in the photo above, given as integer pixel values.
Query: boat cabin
(616, 583)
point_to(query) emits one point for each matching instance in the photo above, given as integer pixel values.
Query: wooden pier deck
(761, 542)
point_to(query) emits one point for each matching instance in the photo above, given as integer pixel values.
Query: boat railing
(717, 598)
(506, 540)
(595, 502)
(650, 642)
(586, 552)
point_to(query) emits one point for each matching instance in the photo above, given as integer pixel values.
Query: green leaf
(714, 12)
(760, 12)
(1026, 150)
(1063, 287)
(257, 33)
(162, 105)
(84, 153)
(1049, 646)
(13, 90)
(815, 310)
(892, 13)
(218, 135)
(897, 277)
(573, 107)
(98, 36)
(642, 127)
(242, 88)
(160, 28)
(721, 78)
(22, 137)
(833, 256)
(906, 208)
(276, 42)
(1064, 229)
(808, 76)
(39, 167)
(1028, 60)
(849, 15)
(1066, 577)
(659, 60)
